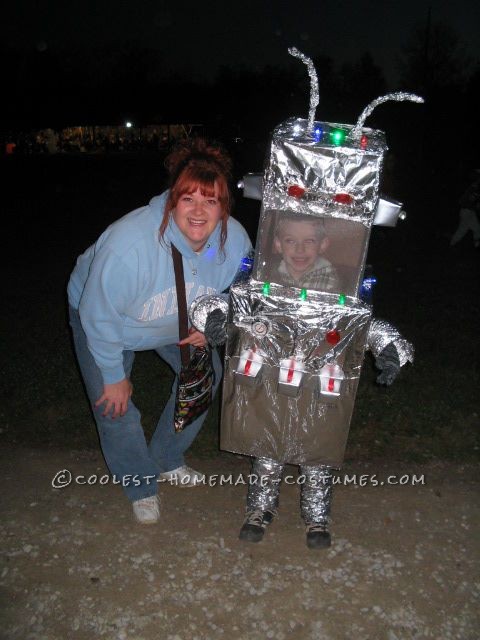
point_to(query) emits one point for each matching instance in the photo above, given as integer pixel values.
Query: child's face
(300, 243)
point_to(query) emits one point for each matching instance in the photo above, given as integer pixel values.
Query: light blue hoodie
(124, 284)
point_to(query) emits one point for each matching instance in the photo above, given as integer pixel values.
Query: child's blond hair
(282, 219)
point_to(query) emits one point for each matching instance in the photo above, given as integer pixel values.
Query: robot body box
(291, 373)
(297, 330)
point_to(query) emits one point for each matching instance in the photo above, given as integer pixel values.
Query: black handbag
(196, 377)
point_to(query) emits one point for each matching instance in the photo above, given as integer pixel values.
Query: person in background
(468, 215)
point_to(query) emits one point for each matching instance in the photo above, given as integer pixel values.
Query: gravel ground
(403, 563)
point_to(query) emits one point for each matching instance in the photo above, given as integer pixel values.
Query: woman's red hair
(196, 164)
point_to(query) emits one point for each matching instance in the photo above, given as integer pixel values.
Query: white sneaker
(147, 510)
(183, 477)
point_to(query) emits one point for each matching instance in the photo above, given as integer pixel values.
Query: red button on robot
(332, 337)
(343, 198)
(296, 191)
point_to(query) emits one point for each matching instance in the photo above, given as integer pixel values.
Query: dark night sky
(195, 38)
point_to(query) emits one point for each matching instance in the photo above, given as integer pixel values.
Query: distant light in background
(128, 125)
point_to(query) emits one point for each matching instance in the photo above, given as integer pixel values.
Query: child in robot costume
(304, 419)
(317, 480)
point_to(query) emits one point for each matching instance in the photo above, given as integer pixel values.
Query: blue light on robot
(247, 264)
(318, 133)
(366, 289)
(244, 269)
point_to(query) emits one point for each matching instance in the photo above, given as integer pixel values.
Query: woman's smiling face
(197, 215)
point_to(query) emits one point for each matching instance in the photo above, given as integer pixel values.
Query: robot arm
(390, 350)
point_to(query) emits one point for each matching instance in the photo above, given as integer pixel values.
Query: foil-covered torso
(292, 421)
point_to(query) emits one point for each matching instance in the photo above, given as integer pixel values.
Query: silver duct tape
(316, 494)
(202, 306)
(382, 333)
(398, 96)
(322, 170)
(264, 486)
(258, 419)
(314, 95)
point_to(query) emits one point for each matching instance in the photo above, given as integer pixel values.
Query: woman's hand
(116, 396)
(196, 339)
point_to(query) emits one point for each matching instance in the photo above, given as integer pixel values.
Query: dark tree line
(47, 88)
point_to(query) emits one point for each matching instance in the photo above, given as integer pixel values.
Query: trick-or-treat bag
(194, 392)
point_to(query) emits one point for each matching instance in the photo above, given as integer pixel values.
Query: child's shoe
(255, 524)
(318, 536)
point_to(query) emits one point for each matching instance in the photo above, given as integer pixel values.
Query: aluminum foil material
(398, 96)
(322, 170)
(382, 333)
(202, 306)
(314, 95)
(257, 418)
(316, 494)
(264, 486)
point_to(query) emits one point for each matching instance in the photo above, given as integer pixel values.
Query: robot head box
(324, 171)
(320, 198)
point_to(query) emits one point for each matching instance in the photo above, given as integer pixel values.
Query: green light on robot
(303, 294)
(337, 136)
(342, 299)
(266, 288)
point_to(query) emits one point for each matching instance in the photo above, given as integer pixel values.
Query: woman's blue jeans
(134, 464)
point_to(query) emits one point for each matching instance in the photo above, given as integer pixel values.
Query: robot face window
(313, 252)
